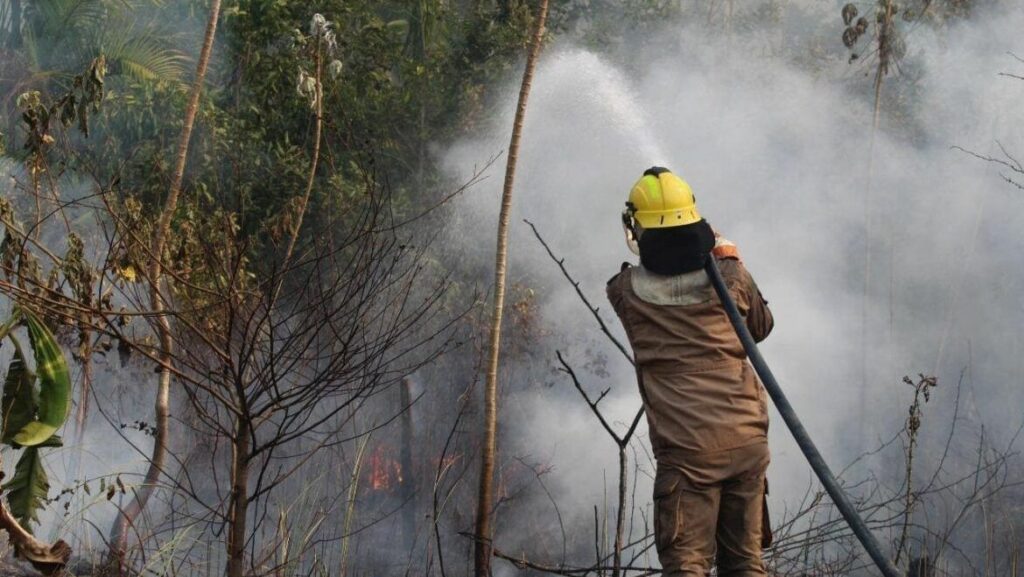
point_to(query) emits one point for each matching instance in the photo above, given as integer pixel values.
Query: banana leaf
(20, 397)
(54, 385)
(27, 491)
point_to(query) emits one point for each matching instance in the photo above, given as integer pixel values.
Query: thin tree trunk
(311, 177)
(83, 398)
(239, 500)
(620, 519)
(408, 480)
(483, 545)
(82, 414)
(119, 532)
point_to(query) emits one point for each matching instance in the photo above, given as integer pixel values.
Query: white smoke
(778, 156)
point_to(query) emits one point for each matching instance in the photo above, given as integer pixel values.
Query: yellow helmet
(661, 199)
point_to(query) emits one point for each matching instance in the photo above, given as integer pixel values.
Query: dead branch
(576, 285)
(48, 559)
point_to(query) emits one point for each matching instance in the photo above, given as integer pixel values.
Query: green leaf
(27, 491)
(54, 385)
(20, 397)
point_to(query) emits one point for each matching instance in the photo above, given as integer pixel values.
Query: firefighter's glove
(725, 248)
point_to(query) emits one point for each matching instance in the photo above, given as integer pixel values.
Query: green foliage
(72, 107)
(62, 36)
(127, 41)
(414, 73)
(406, 76)
(32, 416)
(20, 396)
(27, 491)
(55, 385)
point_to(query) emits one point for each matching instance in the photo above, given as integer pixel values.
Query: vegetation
(224, 254)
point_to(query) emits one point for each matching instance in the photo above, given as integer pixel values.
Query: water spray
(810, 451)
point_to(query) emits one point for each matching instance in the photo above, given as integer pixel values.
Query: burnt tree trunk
(407, 486)
(237, 514)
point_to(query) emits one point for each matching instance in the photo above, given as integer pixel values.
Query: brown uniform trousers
(707, 415)
(709, 510)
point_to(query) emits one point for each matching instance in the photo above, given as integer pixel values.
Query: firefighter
(706, 409)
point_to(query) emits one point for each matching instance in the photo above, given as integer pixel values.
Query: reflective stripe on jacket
(699, 392)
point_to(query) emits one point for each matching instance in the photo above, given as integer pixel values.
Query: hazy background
(778, 158)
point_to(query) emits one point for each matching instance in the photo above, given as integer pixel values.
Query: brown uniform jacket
(699, 392)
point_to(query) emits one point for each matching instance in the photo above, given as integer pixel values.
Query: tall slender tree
(485, 497)
(158, 302)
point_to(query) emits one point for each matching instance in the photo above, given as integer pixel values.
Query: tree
(482, 559)
(51, 42)
(159, 301)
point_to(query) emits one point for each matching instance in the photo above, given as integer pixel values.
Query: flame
(385, 472)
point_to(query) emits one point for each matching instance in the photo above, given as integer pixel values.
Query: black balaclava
(678, 249)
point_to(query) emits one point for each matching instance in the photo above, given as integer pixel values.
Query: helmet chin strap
(629, 227)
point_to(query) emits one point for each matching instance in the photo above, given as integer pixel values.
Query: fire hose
(810, 451)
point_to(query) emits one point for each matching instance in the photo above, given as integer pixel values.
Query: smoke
(772, 126)
(776, 142)
(81, 469)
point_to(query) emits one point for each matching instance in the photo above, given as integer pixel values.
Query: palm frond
(139, 50)
(146, 58)
(64, 36)
(58, 19)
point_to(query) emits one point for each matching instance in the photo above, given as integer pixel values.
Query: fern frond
(143, 58)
